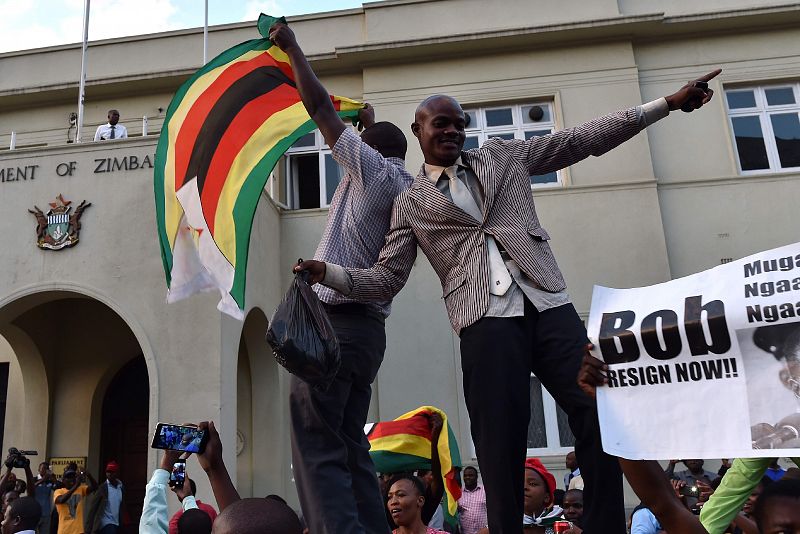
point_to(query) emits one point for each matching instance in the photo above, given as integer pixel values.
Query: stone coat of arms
(59, 228)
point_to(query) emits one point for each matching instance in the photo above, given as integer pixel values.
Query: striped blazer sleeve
(387, 277)
(563, 148)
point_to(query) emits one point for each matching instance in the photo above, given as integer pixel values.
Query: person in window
(406, 500)
(571, 463)
(112, 129)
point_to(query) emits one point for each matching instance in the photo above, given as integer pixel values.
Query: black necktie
(112, 132)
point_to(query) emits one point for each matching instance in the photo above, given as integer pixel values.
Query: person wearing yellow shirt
(69, 501)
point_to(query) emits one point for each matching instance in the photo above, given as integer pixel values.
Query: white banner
(706, 366)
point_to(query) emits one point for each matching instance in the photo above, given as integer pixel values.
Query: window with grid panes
(765, 121)
(310, 173)
(517, 121)
(548, 428)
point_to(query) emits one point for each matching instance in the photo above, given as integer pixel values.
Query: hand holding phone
(690, 491)
(184, 438)
(178, 475)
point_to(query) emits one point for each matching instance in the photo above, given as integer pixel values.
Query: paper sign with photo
(705, 366)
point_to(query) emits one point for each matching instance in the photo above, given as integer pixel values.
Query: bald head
(425, 107)
(257, 516)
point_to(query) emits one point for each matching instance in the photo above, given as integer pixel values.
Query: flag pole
(82, 82)
(205, 36)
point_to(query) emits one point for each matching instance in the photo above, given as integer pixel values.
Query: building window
(309, 173)
(548, 428)
(765, 121)
(519, 121)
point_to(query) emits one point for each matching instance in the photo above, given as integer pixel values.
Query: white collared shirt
(103, 132)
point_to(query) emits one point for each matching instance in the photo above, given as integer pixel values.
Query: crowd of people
(749, 496)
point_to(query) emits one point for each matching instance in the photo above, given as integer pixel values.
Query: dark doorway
(124, 435)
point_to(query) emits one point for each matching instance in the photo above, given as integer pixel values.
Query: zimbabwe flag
(405, 445)
(224, 131)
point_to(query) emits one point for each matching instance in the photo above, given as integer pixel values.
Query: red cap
(547, 476)
(112, 466)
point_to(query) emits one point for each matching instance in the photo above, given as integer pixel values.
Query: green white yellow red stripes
(405, 445)
(223, 133)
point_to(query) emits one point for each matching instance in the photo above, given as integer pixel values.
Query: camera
(17, 458)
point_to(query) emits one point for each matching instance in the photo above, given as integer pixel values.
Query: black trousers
(498, 356)
(335, 477)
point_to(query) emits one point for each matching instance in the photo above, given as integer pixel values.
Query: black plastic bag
(302, 337)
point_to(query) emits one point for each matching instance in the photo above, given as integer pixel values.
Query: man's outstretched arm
(315, 97)
(562, 148)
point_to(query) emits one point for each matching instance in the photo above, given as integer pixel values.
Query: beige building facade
(95, 357)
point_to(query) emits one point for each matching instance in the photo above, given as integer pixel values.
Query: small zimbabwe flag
(224, 131)
(405, 445)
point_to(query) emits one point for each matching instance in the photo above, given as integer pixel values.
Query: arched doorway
(82, 380)
(124, 433)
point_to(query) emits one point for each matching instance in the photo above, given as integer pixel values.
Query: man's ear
(415, 129)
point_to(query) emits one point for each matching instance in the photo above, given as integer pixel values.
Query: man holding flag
(336, 480)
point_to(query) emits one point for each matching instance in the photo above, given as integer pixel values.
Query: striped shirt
(360, 212)
(472, 510)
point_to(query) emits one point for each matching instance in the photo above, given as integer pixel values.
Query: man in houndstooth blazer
(508, 334)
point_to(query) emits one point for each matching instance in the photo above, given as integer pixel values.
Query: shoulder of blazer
(419, 178)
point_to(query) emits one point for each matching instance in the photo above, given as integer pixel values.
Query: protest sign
(706, 366)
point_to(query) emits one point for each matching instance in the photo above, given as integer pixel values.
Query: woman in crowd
(406, 500)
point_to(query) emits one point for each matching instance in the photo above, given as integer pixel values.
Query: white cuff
(655, 111)
(189, 502)
(160, 476)
(336, 277)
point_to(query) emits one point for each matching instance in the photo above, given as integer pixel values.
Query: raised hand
(211, 458)
(366, 116)
(282, 36)
(694, 95)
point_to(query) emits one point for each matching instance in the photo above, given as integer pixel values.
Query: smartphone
(179, 438)
(690, 491)
(178, 474)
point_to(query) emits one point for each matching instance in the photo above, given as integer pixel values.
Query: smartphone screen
(178, 474)
(179, 438)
